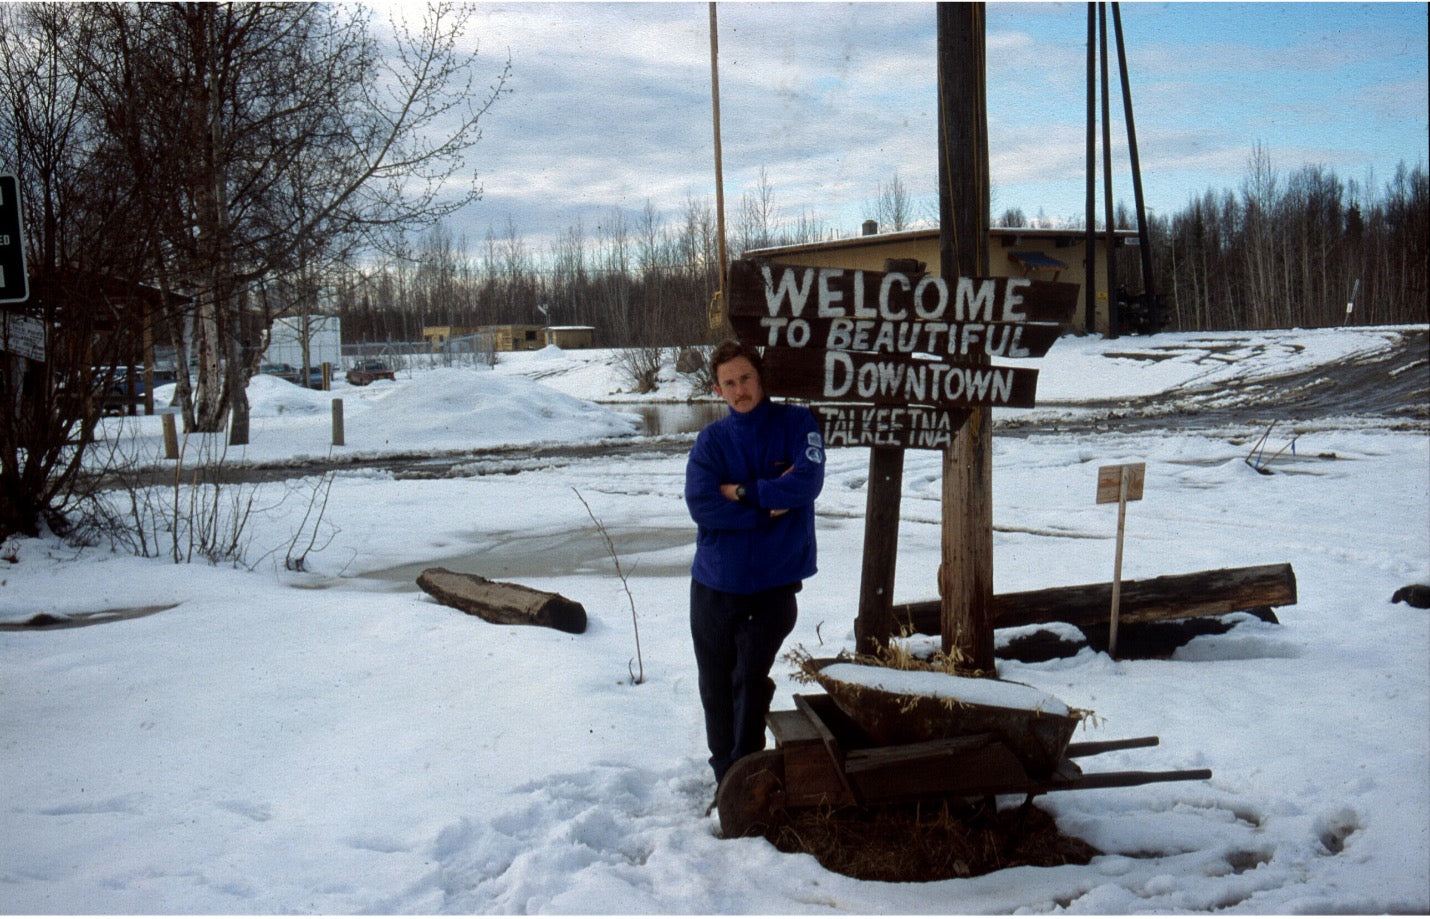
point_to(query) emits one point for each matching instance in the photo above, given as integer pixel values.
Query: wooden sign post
(965, 573)
(1121, 484)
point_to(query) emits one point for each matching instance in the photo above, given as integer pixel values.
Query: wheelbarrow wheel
(752, 794)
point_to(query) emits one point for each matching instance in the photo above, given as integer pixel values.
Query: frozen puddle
(659, 552)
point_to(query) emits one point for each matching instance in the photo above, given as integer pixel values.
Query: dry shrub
(898, 655)
(928, 841)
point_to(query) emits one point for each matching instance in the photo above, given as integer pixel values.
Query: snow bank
(333, 741)
(425, 411)
(934, 685)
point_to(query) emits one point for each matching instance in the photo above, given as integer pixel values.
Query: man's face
(738, 384)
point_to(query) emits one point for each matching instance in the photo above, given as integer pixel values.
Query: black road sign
(14, 286)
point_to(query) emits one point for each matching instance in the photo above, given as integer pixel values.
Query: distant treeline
(646, 280)
(649, 285)
(1293, 253)
(1275, 254)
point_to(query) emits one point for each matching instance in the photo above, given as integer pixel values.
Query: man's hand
(731, 491)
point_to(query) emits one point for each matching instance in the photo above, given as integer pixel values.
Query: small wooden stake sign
(1121, 484)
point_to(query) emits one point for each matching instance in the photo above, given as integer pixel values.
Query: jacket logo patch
(814, 455)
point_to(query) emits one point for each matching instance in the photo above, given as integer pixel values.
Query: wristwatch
(740, 492)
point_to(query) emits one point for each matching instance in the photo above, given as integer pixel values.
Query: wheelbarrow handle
(1094, 747)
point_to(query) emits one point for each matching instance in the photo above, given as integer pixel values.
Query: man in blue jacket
(750, 484)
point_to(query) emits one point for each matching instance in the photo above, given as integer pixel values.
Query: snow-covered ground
(335, 741)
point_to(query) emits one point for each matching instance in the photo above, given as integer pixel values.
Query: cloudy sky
(610, 104)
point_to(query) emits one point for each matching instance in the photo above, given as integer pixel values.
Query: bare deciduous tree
(82, 229)
(894, 210)
(208, 149)
(299, 139)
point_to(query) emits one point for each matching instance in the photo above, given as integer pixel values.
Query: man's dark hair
(728, 350)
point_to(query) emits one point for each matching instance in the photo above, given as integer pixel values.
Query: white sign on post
(1121, 484)
(22, 335)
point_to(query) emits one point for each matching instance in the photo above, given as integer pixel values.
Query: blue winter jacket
(775, 451)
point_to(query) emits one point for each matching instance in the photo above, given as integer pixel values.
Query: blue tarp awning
(1037, 260)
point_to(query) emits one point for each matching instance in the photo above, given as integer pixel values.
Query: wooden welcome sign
(890, 358)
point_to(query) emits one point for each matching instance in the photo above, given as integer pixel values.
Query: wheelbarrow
(822, 759)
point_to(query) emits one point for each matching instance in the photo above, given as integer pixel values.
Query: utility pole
(966, 572)
(717, 314)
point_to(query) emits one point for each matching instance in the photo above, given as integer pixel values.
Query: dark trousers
(737, 637)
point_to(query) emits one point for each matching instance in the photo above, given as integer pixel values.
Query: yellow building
(517, 337)
(439, 335)
(514, 337)
(1046, 255)
(571, 336)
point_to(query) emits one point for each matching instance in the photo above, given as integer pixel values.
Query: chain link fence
(476, 351)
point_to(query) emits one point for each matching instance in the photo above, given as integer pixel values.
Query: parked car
(294, 375)
(364, 372)
(282, 371)
(124, 393)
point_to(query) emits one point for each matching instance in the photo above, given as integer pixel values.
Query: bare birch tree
(297, 136)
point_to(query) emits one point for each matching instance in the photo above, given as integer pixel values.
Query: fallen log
(501, 602)
(1172, 596)
(1136, 641)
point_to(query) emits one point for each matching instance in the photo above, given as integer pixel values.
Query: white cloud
(611, 103)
